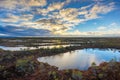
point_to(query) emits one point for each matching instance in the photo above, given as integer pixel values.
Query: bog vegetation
(23, 65)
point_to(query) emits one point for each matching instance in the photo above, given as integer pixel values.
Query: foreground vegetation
(23, 65)
(28, 68)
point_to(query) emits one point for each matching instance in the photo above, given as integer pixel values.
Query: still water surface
(19, 48)
(81, 59)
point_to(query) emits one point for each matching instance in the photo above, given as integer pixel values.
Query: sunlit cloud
(52, 7)
(13, 4)
(65, 19)
(59, 17)
(37, 2)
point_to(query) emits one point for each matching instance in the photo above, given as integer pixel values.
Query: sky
(77, 18)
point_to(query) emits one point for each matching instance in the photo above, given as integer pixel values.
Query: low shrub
(25, 67)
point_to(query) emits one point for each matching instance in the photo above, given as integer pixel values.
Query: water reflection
(30, 48)
(81, 59)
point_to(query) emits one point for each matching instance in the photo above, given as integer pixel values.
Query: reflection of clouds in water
(31, 48)
(69, 60)
(86, 59)
(80, 59)
(62, 60)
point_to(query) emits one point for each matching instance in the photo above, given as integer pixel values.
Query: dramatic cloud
(65, 19)
(58, 17)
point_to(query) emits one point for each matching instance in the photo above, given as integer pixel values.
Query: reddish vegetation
(105, 71)
(27, 68)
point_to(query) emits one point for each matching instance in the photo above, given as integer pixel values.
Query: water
(30, 48)
(81, 59)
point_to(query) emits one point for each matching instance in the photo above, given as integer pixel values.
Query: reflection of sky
(31, 48)
(80, 59)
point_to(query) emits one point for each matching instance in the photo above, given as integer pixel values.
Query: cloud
(11, 18)
(37, 2)
(104, 33)
(22, 31)
(53, 17)
(56, 6)
(113, 24)
(80, 34)
(110, 30)
(52, 25)
(99, 9)
(101, 28)
(71, 17)
(74, 33)
(1, 34)
(9, 4)
(21, 4)
(61, 21)
(52, 7)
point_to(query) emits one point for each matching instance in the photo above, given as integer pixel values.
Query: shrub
(7, 57)
(25, 67)
(53, 75)
(1, 67)
(77, 75)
